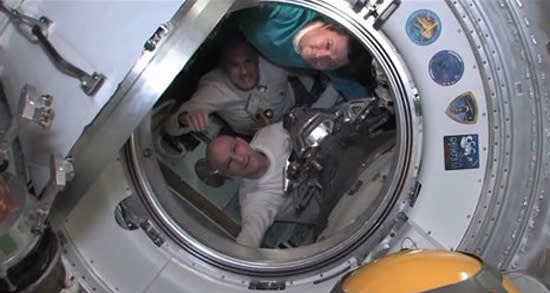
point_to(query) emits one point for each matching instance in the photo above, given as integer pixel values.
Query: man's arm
(260, 203)
(258, 212)
(195, 119)
(347, 85)
(194, 113)
(328, 98)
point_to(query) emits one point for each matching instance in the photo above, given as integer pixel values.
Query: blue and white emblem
(461, 152)
(423, 27)
(463, 109)
(446, 67)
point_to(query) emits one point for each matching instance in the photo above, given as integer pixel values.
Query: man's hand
(196, 120)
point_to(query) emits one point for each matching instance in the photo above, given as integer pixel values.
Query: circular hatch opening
(368, 177)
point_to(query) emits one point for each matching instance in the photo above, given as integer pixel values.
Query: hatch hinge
(380, 10)
(39, 30)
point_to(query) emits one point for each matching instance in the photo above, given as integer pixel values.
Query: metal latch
(381, 10)
(131, 215)
(152, 233)
(153, 41)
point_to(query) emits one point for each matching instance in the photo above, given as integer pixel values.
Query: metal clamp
(62, 171)
(19, 17)
(90, 84)
(153, 41)
(32, 106)
(131, 215)
(381, 10)
(36, 108)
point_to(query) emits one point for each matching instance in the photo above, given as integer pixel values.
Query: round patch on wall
(446, 67)
(423, 27)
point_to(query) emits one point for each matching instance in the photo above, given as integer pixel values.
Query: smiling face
(325, 48)
(233, 156)
(240, 63)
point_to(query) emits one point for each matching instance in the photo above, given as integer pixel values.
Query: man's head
(239, 62)
(324, 46)
(233, 156)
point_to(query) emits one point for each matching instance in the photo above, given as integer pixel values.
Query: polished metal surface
(509, 227)
(207, 248)
(313, 171)
(530, 251)
(136, 95)
(21, 18)
(513, 200)
(61, 172)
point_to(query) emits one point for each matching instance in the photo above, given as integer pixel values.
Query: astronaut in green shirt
(297, 37)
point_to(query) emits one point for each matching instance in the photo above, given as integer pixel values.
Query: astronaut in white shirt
(259, 166)
(240, 91)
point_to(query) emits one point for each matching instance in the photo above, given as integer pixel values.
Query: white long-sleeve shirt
(216, 93)
(262, 199)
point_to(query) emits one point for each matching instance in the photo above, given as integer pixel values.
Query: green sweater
(271, 28)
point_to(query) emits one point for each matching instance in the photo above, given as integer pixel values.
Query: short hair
(355, 48)
(231, 43)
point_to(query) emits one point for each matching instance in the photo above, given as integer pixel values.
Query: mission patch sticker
(423, 27)
(463, 109)
(461, 152)
(446, 67)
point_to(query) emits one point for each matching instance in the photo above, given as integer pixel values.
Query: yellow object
(416, 271)
(511, 288)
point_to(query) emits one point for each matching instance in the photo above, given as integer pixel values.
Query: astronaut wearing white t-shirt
(260, 166)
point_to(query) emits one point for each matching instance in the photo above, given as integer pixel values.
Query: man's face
(233, 156)
(240, 63)
(324, 48)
